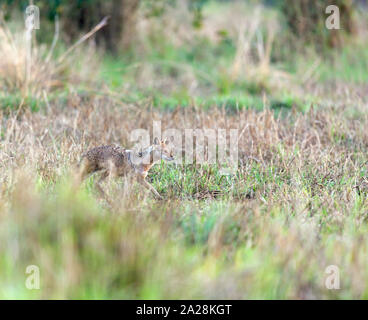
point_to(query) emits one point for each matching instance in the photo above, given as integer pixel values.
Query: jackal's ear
(156, 141)
(168, 140)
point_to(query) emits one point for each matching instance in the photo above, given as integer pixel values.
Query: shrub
(306, 20)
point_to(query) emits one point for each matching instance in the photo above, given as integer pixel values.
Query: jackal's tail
(79, 170)
(81, 160)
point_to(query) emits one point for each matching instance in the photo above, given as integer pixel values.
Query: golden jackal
(116, 161)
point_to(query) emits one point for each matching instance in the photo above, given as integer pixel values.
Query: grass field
(296, 205)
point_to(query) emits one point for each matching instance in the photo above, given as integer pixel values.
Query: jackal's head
(162, 150)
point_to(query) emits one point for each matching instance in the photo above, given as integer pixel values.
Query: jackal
(117, 161)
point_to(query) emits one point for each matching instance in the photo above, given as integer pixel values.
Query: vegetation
(296, 204)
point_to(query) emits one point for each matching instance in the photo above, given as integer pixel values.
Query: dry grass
(19, 73)
(252, 29)
(297, 204)
(31, 70)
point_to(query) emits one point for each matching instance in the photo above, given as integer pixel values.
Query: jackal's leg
(149, 186)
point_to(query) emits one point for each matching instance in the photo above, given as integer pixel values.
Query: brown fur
(114, 160)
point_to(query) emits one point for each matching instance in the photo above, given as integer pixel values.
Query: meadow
(296, 205)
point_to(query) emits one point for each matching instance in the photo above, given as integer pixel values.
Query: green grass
(349, 65)
(177, 249)
(10, 102)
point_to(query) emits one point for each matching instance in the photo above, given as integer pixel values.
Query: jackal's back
(97, 158)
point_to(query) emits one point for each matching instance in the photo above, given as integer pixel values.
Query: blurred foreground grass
(177, 249)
